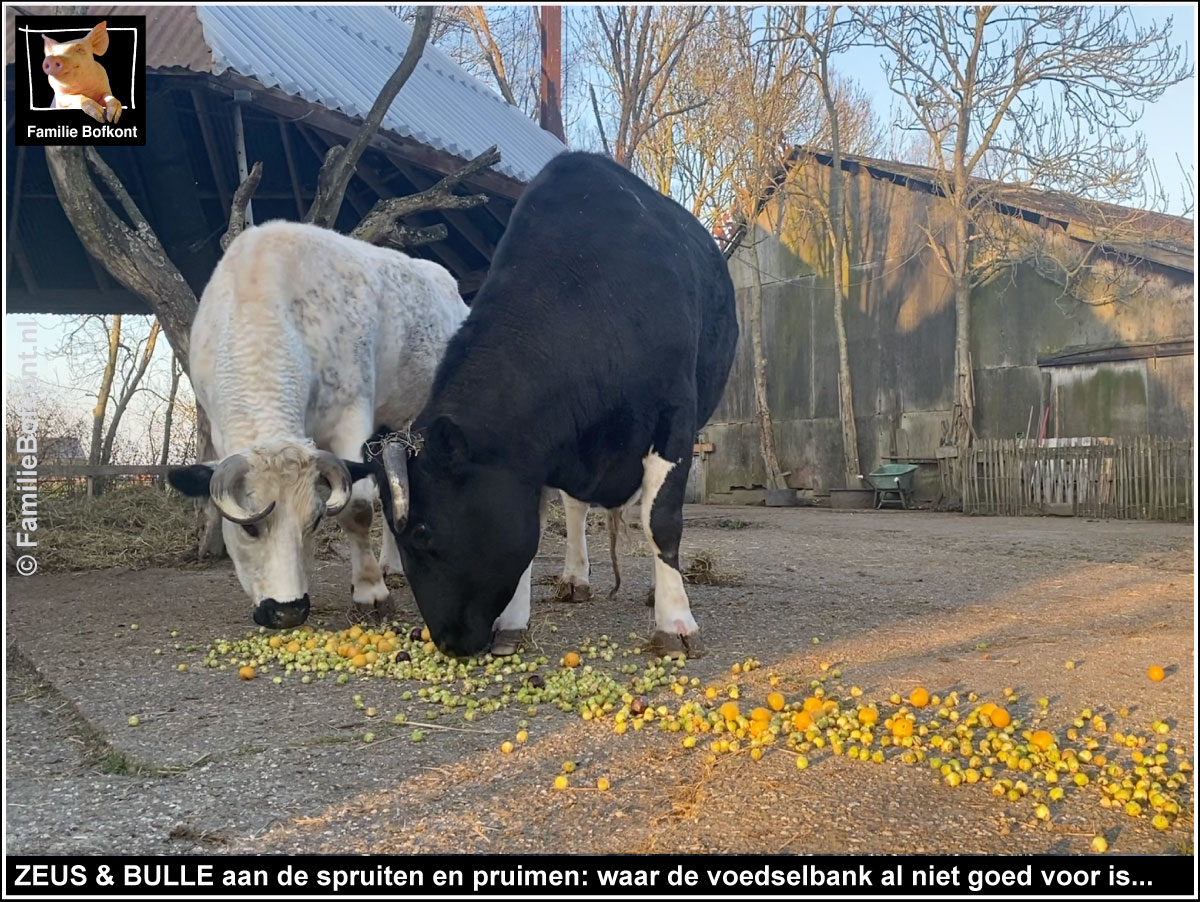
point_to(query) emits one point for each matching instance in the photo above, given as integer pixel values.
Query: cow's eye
(421, 536)
(251, 530)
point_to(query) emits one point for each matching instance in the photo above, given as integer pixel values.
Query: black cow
(596, 348)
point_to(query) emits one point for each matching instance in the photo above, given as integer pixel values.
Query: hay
(136, 526)
(141, 526)
(705, 570)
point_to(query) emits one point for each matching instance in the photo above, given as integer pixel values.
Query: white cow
(304, 343)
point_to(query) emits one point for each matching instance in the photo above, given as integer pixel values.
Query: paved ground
(896, 598)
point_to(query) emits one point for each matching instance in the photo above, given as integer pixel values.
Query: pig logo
(86, 79)
(79, 82)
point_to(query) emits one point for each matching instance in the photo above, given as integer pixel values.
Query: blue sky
(1169, 126)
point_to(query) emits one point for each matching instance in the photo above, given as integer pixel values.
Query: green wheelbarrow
(892, 483)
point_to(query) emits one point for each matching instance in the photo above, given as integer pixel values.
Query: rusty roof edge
(1018, 195)
(1161, 250)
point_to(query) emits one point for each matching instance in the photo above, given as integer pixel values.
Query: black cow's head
(466, 528)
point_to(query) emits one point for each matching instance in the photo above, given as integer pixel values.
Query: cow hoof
(664, 643)
(650, 598)
(281, 615)
(506, 642)
(377, 611)
(573, 593)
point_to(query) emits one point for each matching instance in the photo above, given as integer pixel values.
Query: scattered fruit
(1156, 673)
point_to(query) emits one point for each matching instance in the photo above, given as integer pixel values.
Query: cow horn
(395, 468)
(333, 471)
(226, 487)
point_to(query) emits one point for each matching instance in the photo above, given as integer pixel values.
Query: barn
(231, 85)
(1045, 364)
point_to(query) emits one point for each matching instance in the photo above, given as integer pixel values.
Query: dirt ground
(896, 599)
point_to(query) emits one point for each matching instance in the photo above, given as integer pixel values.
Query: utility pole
(550, 99)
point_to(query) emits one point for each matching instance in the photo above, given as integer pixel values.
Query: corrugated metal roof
(341, 56)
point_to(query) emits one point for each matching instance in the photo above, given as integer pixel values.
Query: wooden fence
(1126, 479)
(93, 476)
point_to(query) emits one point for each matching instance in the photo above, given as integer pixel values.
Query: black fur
(606, 328)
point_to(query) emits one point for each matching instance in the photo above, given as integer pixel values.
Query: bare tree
(131, 381)
(765, 78)
(1040, 96)
(100, 410)
(496, 44)
(169, 417)
(825, 36)
(340, 162)
(637, 49)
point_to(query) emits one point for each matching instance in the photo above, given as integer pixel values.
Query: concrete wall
(900, 328)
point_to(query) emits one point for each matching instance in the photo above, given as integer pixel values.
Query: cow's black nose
(281, 615)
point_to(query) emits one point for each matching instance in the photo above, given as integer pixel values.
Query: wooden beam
(71, 300)
(85, 470)
(301, 209)
(344, 127)
(22, 262)
(210, 147)
(1118, 352)
(470, 283)
(15, 213)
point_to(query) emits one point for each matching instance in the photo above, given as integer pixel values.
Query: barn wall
(900, 329)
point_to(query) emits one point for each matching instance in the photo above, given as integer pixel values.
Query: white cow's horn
(333, 471)
(395, 467)
(226, 487)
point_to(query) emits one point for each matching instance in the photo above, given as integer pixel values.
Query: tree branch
(132, 256)
(340, 162)
(599, 123)
(237, 209)
(380, 225)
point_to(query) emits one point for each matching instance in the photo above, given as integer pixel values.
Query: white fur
(672, 613)
(575, 565)
(306, 338)
(516, 615)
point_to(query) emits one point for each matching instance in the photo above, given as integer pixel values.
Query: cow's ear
(448, 444)
(98, 38)
(358, 470)
(191, 481)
